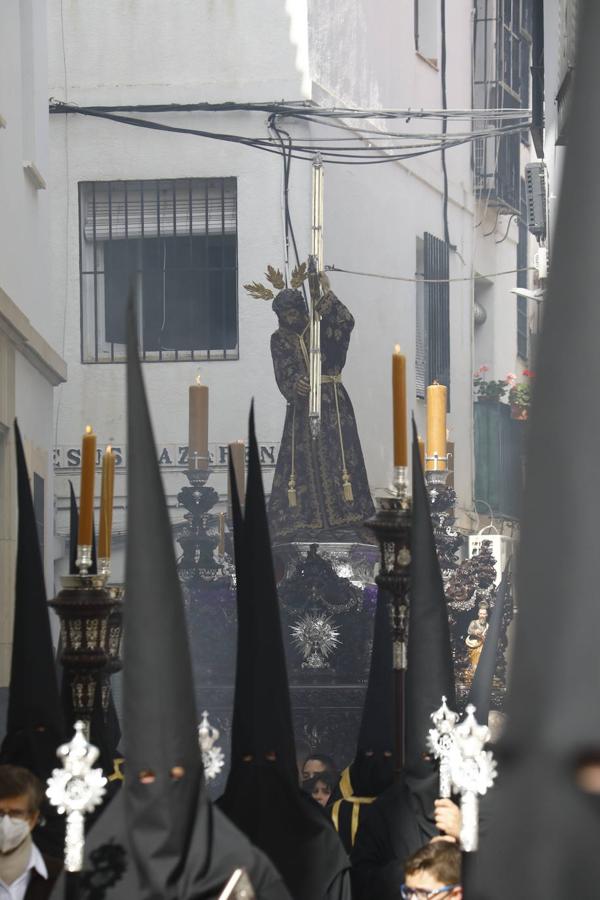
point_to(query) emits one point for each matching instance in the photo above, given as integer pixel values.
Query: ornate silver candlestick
(392, 526)
(75, 790)
(473, 772)
(198, 560)
(441, 743)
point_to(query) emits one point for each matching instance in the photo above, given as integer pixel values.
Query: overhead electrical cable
(359, 155)
(413, 280)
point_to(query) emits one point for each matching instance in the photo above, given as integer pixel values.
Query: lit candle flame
(198, 379)
(397, 348)
(109, 449)
(88, 429)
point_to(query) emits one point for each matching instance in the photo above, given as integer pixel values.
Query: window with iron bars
(174, 244)
(432, 357)
(500, 80)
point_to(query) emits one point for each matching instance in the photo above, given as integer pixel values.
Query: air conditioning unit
(503, 548)
(535, 186)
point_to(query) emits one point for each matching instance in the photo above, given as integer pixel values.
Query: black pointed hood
(161, 840)
(273, 732)
(34, 723)
(430, 674)
(242, 725)
(159, 708)
(540, 841)
(372, 770)
(262, 796)
(480, 694)
(73, 529)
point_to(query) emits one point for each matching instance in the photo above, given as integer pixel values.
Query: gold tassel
(292, 498)
(348, 495)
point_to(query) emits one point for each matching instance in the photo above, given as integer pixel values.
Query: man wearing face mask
(24, 873)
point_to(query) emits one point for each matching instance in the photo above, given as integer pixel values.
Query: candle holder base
(198, 539)
(84, 558)
(104, 566)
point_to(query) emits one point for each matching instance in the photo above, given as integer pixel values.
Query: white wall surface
(347, 51)
(23, 207)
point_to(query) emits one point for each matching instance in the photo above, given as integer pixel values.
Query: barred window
(510, 46)
(174, 243)
(433, 313)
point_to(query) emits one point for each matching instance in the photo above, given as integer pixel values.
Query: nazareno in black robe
(160, 838)
(262, 796)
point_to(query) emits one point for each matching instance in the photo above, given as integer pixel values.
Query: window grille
(498, 83)
(174, 243)
(527, 30)
(433, 314)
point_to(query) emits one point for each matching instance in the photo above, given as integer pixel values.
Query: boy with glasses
(433, 873)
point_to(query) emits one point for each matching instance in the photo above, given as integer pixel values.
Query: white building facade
(30, 364)
(182, 215)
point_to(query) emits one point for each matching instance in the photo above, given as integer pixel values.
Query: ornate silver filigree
(316, 637)
(213, 758)
(473, 772)
(441, 743)
(75, 790)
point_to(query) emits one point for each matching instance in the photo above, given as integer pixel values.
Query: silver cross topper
(213, 757)
(473, 772)
(75, 790)
(441, 743)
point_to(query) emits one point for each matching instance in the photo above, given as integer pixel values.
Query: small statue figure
(476, 634)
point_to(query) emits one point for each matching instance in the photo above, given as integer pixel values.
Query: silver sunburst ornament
(213, 758)
(441, 743)
(316, 638)
(473, 772)
(75, 790)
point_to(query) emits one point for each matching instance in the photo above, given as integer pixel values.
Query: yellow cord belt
(346, 483)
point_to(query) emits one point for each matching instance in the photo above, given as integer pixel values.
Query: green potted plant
(488, 391)
(519, 397)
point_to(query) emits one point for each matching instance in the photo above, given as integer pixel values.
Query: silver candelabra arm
(75, 790)
(473, 772)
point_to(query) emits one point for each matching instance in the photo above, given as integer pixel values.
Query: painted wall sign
(170, 456)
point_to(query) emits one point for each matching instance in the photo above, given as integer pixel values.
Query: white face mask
(12, 833)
